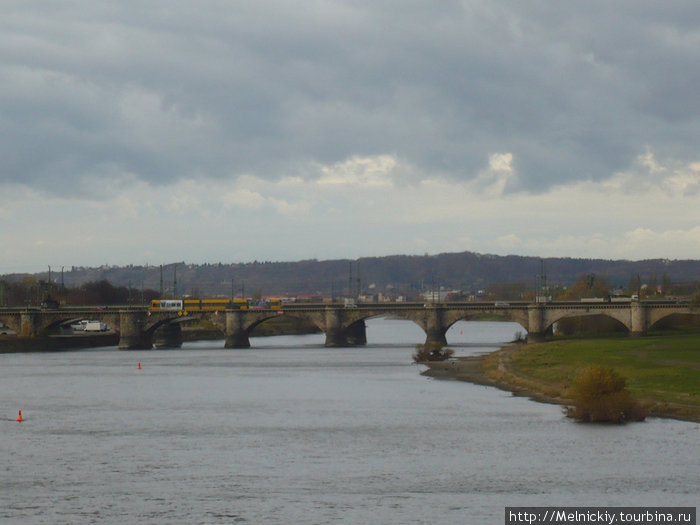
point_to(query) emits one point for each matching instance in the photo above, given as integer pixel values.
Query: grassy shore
(662, 372)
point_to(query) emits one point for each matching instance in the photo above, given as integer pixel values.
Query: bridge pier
(135, 342)
(131, 333)
(356, 334)
(353, 335)
(236, 333)
(335, 337)
(168, 336)
(335, 333)
(436, 336)
(535, 324)
(638, 320)
(338, 334)
(536, 337)
(434, 327)
(237, 340)
(28, 324)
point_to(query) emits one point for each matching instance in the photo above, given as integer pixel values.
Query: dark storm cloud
(163, 91)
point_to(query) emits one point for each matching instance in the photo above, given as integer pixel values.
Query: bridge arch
(663, 314)
(661, 320)
(57, 324)
(552, 316)
(435, 322)
(166, 330)
(55, 319)
(163, 320)
(269, 316)
(513, 315)
(592, 324)
(239, 324)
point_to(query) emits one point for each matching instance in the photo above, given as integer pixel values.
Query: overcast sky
(152, 131)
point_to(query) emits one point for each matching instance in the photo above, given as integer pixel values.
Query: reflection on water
(290, 431)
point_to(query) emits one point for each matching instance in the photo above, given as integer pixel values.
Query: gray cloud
(166, 91)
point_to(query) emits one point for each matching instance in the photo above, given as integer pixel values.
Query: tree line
(597, 285)
(30, 291)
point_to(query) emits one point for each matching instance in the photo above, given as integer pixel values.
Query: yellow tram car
(197, 305)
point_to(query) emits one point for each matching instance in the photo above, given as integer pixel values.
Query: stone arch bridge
(343, 326)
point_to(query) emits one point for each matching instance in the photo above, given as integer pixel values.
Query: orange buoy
(19, 417)
(139, 367)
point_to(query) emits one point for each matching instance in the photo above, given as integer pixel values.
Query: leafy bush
(599, 394)
(431, 352)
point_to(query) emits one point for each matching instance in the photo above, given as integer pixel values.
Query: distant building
(436, 296)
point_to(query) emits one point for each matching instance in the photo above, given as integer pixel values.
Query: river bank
(10, 345)
(663, 373)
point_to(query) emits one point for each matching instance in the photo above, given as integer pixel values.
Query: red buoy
(19, 417)
(139, 367)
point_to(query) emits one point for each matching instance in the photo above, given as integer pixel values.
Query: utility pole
(639, 287)
(161, 281)
(536, 291)
(175, 281)
(543, 279)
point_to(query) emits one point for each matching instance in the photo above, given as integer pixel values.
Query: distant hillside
(399, 273)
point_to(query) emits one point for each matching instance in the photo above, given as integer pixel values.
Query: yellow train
(201, 305)
(197, 305)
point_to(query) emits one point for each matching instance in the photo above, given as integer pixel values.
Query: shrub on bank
(599, 394)
(431, 352)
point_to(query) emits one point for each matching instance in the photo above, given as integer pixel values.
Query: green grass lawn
(659, 369)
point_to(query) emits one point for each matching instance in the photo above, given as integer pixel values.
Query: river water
(292, 432)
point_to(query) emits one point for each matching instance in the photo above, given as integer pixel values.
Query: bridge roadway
(139, 328)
